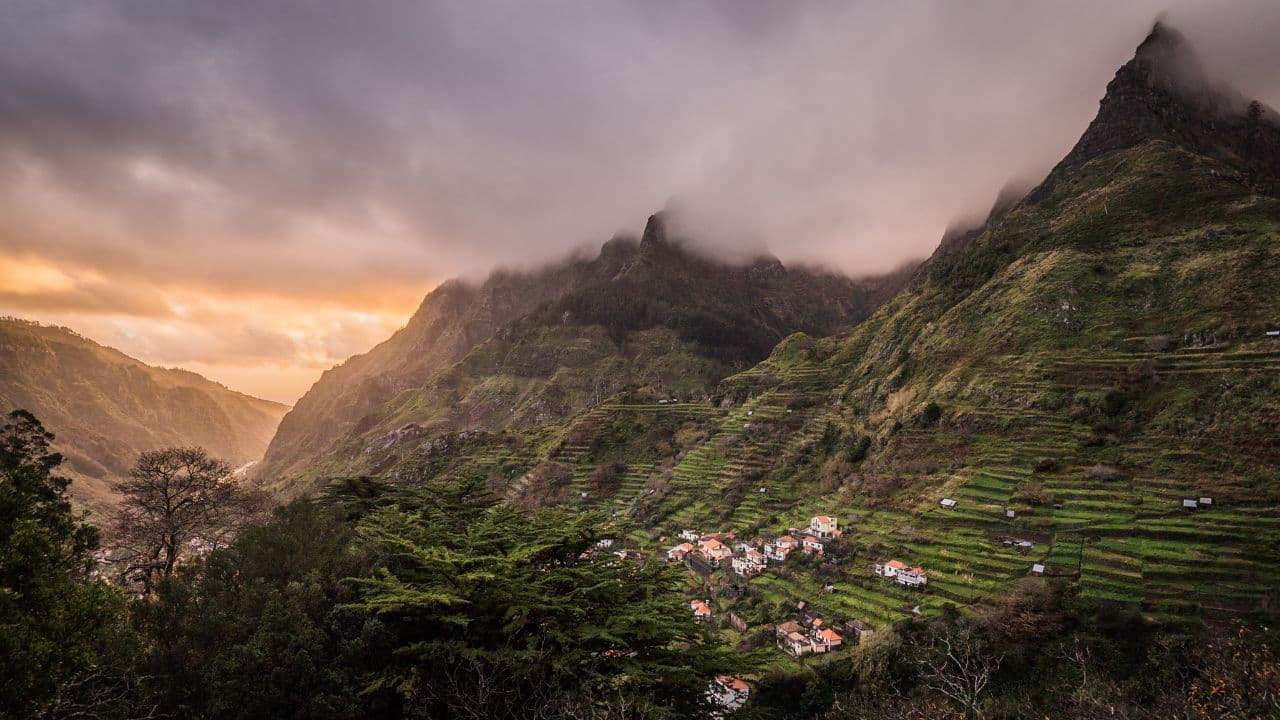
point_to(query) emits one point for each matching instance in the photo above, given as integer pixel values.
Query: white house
(824, 526)
(779, 549)
(728, 694)
(947, 503)
(677, 553)
(690, 535)
(792, 638)
(826, 640)
(1037, 569)
(1010, 514)
(912, 577)
(812, 544)
(751, 562)
(1190, 504)
(1206, 501)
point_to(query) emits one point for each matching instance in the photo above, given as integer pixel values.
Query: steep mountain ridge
(106, 407)
(527, 350)
(1165, 92)
(1069, 372)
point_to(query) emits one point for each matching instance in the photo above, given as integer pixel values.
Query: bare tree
(173, 497)
(955, 664)
(104, 692)
(1079, 655)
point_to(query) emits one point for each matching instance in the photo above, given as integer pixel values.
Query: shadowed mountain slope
(106, 407)
(523, 351)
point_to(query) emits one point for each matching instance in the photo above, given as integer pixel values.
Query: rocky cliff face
(1164, 92)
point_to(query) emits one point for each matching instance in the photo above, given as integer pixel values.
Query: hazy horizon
(255, 193)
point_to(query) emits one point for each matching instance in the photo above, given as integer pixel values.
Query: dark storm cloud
(354, 140)
(333, 150)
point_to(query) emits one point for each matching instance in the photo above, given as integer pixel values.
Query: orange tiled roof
(733, 682)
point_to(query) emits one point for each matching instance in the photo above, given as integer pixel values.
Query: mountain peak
(655, 230)
(1165, 59)
(1164, 92)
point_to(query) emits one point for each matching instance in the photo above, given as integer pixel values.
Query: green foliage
(264, 628)
(53, 618)
(503, 613)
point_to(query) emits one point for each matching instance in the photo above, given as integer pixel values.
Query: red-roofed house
(700, 609)
(791, 637)
(825, 640)
(715, 551)
(729, 693)
(750, 563)
(824, 526)
(677, 553)
(912, 577)
(779, 549)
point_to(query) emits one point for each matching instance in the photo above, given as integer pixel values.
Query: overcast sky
(256, 190)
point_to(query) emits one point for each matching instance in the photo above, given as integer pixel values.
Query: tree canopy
(53, 616)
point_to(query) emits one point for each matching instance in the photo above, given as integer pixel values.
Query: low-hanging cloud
(354, 154)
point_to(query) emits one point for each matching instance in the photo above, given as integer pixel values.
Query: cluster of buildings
(748, 559)
(807, 634)
(709, 547)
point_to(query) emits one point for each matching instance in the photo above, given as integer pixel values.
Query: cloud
(352, 155)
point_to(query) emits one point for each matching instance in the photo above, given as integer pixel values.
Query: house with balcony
(824, 526)
(752, 562)
(779, 549)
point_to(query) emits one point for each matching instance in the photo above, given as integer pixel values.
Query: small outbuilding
(1190, 504)
(947, 503)
(1037, 569)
